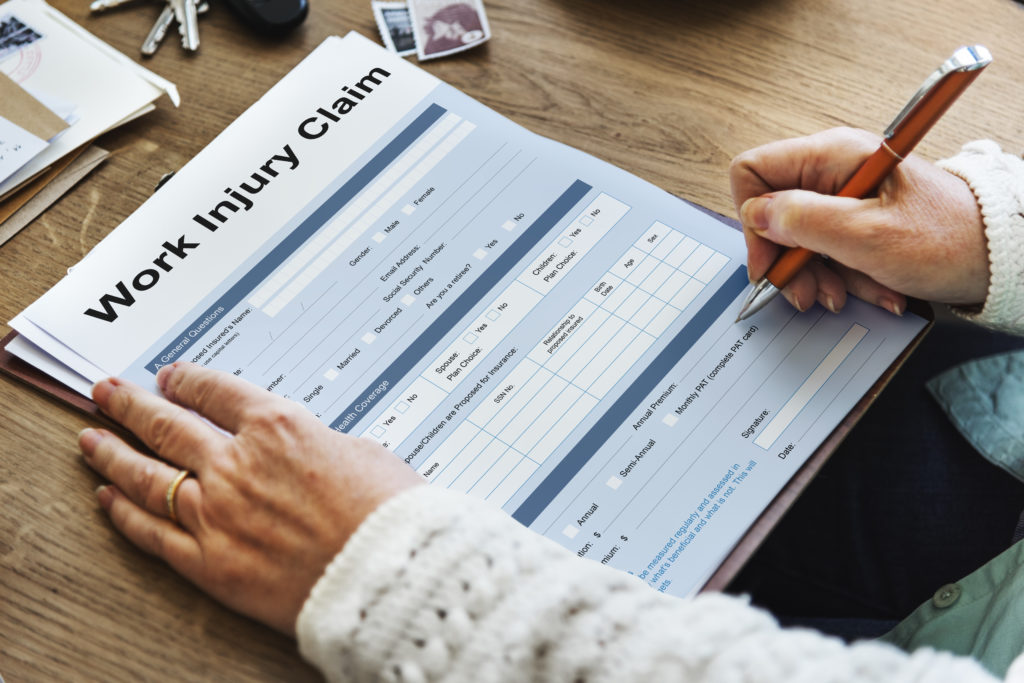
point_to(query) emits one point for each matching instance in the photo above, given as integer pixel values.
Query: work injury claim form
(513, 318)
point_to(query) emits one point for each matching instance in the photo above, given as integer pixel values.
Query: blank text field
(814, 381)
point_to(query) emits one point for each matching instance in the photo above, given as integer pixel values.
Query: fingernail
(104, 495)
(163, 375)
(830, 304)
(102, 390)
(754, 212)
(891, 306)
(88, 438)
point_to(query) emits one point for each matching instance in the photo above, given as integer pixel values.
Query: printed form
(515, 319)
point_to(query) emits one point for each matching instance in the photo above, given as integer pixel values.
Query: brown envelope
(23, 110)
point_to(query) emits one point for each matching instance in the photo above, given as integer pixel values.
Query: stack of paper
(60, 87)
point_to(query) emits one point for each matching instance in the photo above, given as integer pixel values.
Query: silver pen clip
(968, 58)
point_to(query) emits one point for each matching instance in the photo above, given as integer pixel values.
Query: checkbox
(379, 237)
(571, 531)
(586, 220)
(509, 225)
(401, 407)
(493, 314)
(480, 254)
(408, 209)
(469, 338)
(369, 337)
(670, 420)
(378, 431)
(408, 299)
(331, 374)
(565, 241)
(614, 483)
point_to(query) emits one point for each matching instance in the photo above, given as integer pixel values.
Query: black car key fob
(271, 17)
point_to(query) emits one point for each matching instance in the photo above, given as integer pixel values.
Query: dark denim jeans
(904, 506)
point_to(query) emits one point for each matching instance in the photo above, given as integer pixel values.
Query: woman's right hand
(922, 236)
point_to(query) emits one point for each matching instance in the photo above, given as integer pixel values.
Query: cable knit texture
(435, 586)
(997, 180)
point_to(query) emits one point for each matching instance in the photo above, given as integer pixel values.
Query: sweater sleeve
(435, 586)
(997, 180)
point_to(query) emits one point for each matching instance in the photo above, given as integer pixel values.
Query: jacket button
(946, 596)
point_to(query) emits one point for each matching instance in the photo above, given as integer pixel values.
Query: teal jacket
(982, 615)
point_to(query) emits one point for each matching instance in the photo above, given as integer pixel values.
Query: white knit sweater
(435, 586)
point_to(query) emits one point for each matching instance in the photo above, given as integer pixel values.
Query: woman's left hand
(273, 499)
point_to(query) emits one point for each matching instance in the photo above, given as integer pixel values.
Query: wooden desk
(667, 89)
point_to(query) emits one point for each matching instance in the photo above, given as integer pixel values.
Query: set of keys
(184, 13)
(267, 17)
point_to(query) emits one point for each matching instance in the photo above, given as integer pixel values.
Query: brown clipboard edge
(13, 366)
(771, 515)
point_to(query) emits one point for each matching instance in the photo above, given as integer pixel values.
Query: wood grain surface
(667, 89)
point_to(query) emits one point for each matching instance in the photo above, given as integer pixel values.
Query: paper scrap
(19, 107)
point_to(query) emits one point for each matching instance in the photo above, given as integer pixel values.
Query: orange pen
(922, 112)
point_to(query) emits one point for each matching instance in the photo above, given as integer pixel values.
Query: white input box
(494, 476)
(462, 458)
(666, 316)
(621, 365)
(659, 276)
(554, 425)
(668, 243)
(606, 358)
(687, 294)
(810, 386)
(476, 469)
(507, 488)
(561, 428)
(711, 267)
(678, 256)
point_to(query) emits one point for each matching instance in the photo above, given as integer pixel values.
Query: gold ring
(172, 491)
